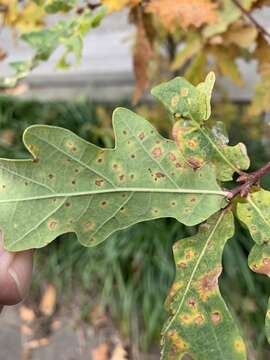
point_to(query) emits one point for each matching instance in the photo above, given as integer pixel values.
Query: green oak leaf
(199, 145)
(200, 326)
(255, 214)
(74, 186)
(267, 322)
(54, 6)
(198, 142)
(183, 99)
(68, 33)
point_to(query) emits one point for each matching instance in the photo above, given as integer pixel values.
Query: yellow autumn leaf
(26, 17)
(183, 13)
(115, 5)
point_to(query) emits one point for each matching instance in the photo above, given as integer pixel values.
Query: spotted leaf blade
(200, 326)
(200, 145)
(254, 213)
(198, 142)
(74, 186)
(182, 99)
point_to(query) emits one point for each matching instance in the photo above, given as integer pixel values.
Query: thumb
(15, 275)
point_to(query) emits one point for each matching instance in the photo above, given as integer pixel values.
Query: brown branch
(251, 18)
(247, 181)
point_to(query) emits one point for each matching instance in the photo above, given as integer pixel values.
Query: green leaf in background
(200, 326)
(54, 6)
(183, 99)
(200, 144)
(267, 322)
(66, 33)
(74, 186)
(255, 214)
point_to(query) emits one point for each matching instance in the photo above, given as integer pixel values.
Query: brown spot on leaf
(35, 160)
(195, 163)
(141, 135)
(3, 186)
(263, 267)
(192, 302)
(104, 203)
(121, 177)
(208, 283)
(178, 165)
(157, 152)
(99, 182)
(50, 176)
(199, 319)
(52, 224)
(216, 317)
(182, 264)
(99, 160)
(73, 182)
(172, 157)
(125, 131)
(159, 175)
(67, 204)
(133, 156)
(90, 225)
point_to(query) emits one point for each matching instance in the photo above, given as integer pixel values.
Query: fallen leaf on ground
(119, 353)
(48, 301)
(101, 352)
(27, 314)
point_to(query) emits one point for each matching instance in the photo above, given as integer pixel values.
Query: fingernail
(6, 257)
(15, 277)
(6, 260)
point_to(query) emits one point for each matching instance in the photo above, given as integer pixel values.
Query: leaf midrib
(117, 190)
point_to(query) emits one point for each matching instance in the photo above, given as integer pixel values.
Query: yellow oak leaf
(26, 17)
(184, 13)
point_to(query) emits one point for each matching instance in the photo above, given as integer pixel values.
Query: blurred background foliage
(129, 275)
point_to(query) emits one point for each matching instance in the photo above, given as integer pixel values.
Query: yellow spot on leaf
(174, 100)
(184, 92)
(239, 345)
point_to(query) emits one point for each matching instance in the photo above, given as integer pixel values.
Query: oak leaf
(182, 13)
(74, 186)
(197, 312)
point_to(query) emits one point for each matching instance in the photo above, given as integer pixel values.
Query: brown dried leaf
(34, 344)
(119, 353)
(261, 100)
(184, 13)
(143, 53)
(48, 301)
(27, 314)
(101, 352)
(26, 330)
(3, 54)
(242, 36)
